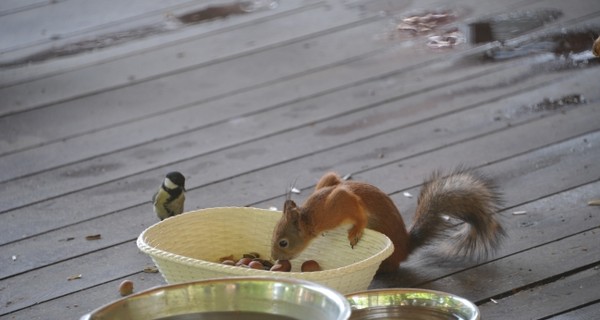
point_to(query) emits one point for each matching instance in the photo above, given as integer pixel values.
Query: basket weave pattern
(187, 247)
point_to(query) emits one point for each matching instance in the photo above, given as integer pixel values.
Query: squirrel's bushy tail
(468, 197)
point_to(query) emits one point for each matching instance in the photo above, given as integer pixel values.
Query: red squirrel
(462, 194)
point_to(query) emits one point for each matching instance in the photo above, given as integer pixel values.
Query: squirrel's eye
(283, 243)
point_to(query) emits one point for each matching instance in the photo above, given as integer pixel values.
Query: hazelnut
(244, 261)
(282, 265)
(228, 262)
(310, 266)
(256, 265)
(126, 288)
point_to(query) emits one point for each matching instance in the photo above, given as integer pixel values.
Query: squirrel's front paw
(354, 236)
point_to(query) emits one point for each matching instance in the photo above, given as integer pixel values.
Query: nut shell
(596, 47)
(256, 265)
(310, 266)
(126, 288)
(228, 262)
(244, 261)
(282, 266)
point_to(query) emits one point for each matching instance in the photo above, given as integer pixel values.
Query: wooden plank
(240, 33)
(397, 147)
(531, 266)
(12, 6)
(549, 299)
(71, 17)
(582, 313)
(20, 139)
(75, 305)
(102, 141)
(336, 9)
(262, 99)
(160, 33)
(182, 90)
(536, 183)
(206, 50)
(61, 153)
(52, 281)
(31, 94)
(108, 197)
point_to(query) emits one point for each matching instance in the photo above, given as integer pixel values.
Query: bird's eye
(283, 243)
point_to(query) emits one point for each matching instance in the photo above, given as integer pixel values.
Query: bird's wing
(177, 206)
(154, 198)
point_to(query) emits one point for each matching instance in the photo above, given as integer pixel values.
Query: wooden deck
(99, 99)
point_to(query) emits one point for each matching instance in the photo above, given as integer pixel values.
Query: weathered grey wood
(72, 306)
(518, 270)
(144, 217)
(587, 312)
(52, 281)
(185, 88)
(165, 32)
(72, 17)
(122, 77)
(259, 101)
(389, 113)
(402, 151)
(539, 181)
(96, 296)
(12, 6)
(336, 9)
(182, 119)
(89, 262)
(203, 48)
(558, 296)
(121, 189)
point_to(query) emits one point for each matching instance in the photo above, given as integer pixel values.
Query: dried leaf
(93, 237)
(150, 269)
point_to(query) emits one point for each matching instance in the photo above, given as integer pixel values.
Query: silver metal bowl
(230, 298)
(413, 304)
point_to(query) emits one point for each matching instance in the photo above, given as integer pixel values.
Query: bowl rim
(337, 298)
(367, 293)
(386, 250)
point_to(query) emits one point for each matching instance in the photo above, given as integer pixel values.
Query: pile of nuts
(253, 260)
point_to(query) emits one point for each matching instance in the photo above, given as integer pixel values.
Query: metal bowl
(413, 304)
(230, 298)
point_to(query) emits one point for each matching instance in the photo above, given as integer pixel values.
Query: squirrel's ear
(291, 213)
(289, 206)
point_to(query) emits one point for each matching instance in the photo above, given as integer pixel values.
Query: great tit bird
(169, 199)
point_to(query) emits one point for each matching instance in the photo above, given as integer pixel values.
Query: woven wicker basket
(187, 247)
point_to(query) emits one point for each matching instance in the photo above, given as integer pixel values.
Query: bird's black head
(177, 178)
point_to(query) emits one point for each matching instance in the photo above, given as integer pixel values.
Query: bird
(169, 199)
